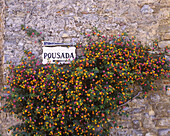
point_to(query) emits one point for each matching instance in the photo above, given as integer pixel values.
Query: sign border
(55, 44)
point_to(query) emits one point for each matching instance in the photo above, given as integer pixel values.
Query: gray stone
(146, 9)
(164, 28)
(151, 113)
(9, 43)
(150, 134)
(127, 125)
(67, 40)
(161, 109)
(72, 33)
(20, 45)
(148, 123)
(167, 36)
(74, 40)
(152, 1)
(138, 103)
(155, 98)
(136, 124)
(138, 110)
(121, 133)
(164, 122)
(6, 58)
(163, 44)
(164, 132)
(137, 132)
(64, 35)
(163, 13)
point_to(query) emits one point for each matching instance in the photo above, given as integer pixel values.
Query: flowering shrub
(84, 97)
(37, 96)
(32, 32)
(101, 80)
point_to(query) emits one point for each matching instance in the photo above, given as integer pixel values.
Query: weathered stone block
(152, 1)
(163, 13)
(137, 132)
(161, 109)
(148, 123)
(167, 36)
(164, 132)
(155, 98)
(163, 44)
(164, 122)
(136, 124)
(138, 110)
(164, 3)
(67, 40)
(151, 113)
(126, 124)
(146, 9)
(164, 29)
(150, 134)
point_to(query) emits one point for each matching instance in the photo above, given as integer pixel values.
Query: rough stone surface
(1, 44)
(164, 44)
(164, 121)
(167, 36)
(164, 132)
(150, 134)
(150, 121)
(64, 20)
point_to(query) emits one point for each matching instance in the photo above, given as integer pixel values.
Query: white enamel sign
(62, 55)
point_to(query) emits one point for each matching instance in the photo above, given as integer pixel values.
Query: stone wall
(1, 44)
(147, 117)
(64, 20)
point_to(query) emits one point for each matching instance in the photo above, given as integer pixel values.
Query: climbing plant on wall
(84, 97)
(33, 33)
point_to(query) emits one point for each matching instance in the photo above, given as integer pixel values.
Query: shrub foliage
(84, 97)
